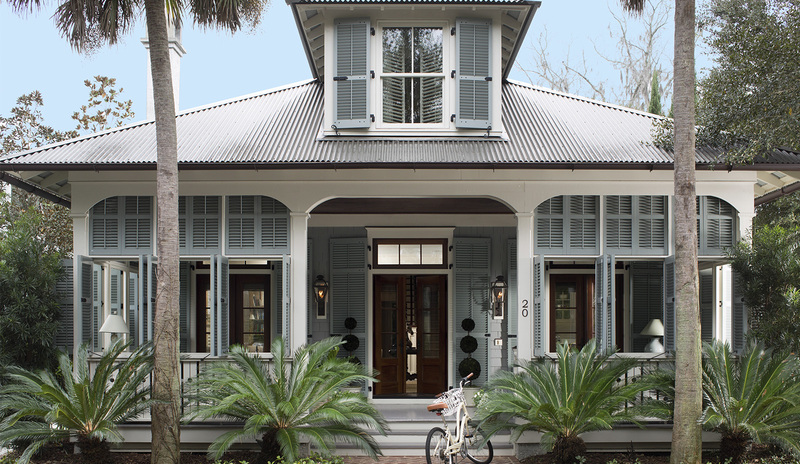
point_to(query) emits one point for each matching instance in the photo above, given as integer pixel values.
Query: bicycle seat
(437, 407)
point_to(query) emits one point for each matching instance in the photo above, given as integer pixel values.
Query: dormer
(412, 68)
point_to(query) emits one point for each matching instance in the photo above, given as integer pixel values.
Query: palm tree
(39, 407)
(280, 402)
(686, 439)
(87, 23)
(578, 393)
(752, 398)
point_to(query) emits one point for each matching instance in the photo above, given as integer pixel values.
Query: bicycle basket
(453, 399)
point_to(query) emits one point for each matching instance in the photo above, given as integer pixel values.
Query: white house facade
(408, 175)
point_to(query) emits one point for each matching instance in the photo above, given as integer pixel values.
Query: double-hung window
(412, 75)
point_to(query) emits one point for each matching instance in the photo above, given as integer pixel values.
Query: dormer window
(426, 76)
(412, 75)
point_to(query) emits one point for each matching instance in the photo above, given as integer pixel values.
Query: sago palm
(283, 401)
(578, 393)
(40, 407)
(752, 398)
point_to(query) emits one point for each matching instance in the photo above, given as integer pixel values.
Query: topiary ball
(468, 324)
(469, 365)
(354, 360)
(350, 323)
(351, 342)
(469, 344)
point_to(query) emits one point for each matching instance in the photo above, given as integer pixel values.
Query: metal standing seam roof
(280, 128)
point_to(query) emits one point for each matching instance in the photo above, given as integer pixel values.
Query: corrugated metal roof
(281, 127)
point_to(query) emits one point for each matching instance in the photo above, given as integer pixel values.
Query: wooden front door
(410, 328)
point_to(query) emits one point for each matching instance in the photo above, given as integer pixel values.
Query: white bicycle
(443, 446)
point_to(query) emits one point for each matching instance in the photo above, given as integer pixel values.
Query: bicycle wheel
(435, 447)
(483, 455)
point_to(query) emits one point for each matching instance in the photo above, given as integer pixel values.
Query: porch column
(80, 247)
(524, 287)
(298, 321)
(745, 224)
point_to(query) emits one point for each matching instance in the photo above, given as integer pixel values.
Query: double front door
(410, 327)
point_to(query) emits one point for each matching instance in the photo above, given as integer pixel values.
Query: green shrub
(40, 407)
(578, 393)
(280, 401)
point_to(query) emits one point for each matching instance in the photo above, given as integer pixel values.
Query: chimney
(176, 51)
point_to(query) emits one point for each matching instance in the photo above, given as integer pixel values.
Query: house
(401, 181)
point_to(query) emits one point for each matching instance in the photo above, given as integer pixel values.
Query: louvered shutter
(647, 300)
(147, 297)
(87, 299)
(707, 307)
(277, 273)
(539, 308)
(348, 290)
(619, 223)
(471, 271)
(222, 295)
(739, 316)
(285, 307)
(650, 224)
(137, 224)
(513, 311)
(115, 286)
(604, 305)
(64, 290)
(183, 213)
(473, 74)
(583, 229)
(241, 224)
(199, 224)
(669, 304)
(133, 308)
(717, 226)
(274, 230)
(550, 224)
(351, 74)
(97, 306)
(184, 300)
(104, 238)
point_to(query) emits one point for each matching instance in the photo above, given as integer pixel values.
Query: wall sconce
(654, 329)
(499, 288)
(114, 325)
(320, 294)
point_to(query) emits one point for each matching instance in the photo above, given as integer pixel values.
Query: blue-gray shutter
(471, 271)
(199, 224)
(604, 303)
(348, 290)
(473, 74)
(739, 313)
(277, 299)
(85, 281)
(539, 308)
(274, 230)
(285, 307)
(152, 290)
(583, 224)
(97, 306)
(184, 300)
(137, 224)
(351, 74)
(650, 224)
(716, 226)
(222, 295)
(647, 299)
(121, 225)
(133, 308)
(257, 225)
(241, 221)
(568, 224)
(619, 223)
(550, 224)
(115, 287)
(64, 290)
(147, 297)
(104, 227)
(513, 305)
(669, 304)
(707, 307)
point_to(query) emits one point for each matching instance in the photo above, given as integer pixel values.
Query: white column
(524, 287)
(745, 224)
(80, 247)
(299, 285)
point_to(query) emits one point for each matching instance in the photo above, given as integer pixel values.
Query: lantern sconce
(320, 296)
(499, 288)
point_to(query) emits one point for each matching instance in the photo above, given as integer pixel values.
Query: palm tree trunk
(165, 422)
(686, 432)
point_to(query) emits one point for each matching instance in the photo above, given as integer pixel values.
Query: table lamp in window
(654, 329)
(114, 325)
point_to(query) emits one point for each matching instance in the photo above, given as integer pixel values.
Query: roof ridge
(584, 99)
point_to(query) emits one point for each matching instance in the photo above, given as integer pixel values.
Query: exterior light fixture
(654, 329)
(499, 289)
(320, 295)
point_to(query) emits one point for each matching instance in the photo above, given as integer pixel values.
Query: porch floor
(415, 460)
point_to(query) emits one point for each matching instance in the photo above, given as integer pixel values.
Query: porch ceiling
(412, 206)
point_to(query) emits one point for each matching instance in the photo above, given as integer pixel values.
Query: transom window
(412, 75)
(396, 253)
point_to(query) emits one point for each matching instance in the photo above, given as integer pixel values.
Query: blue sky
(219, 66)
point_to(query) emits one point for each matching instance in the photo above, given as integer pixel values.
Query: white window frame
(448, 85)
